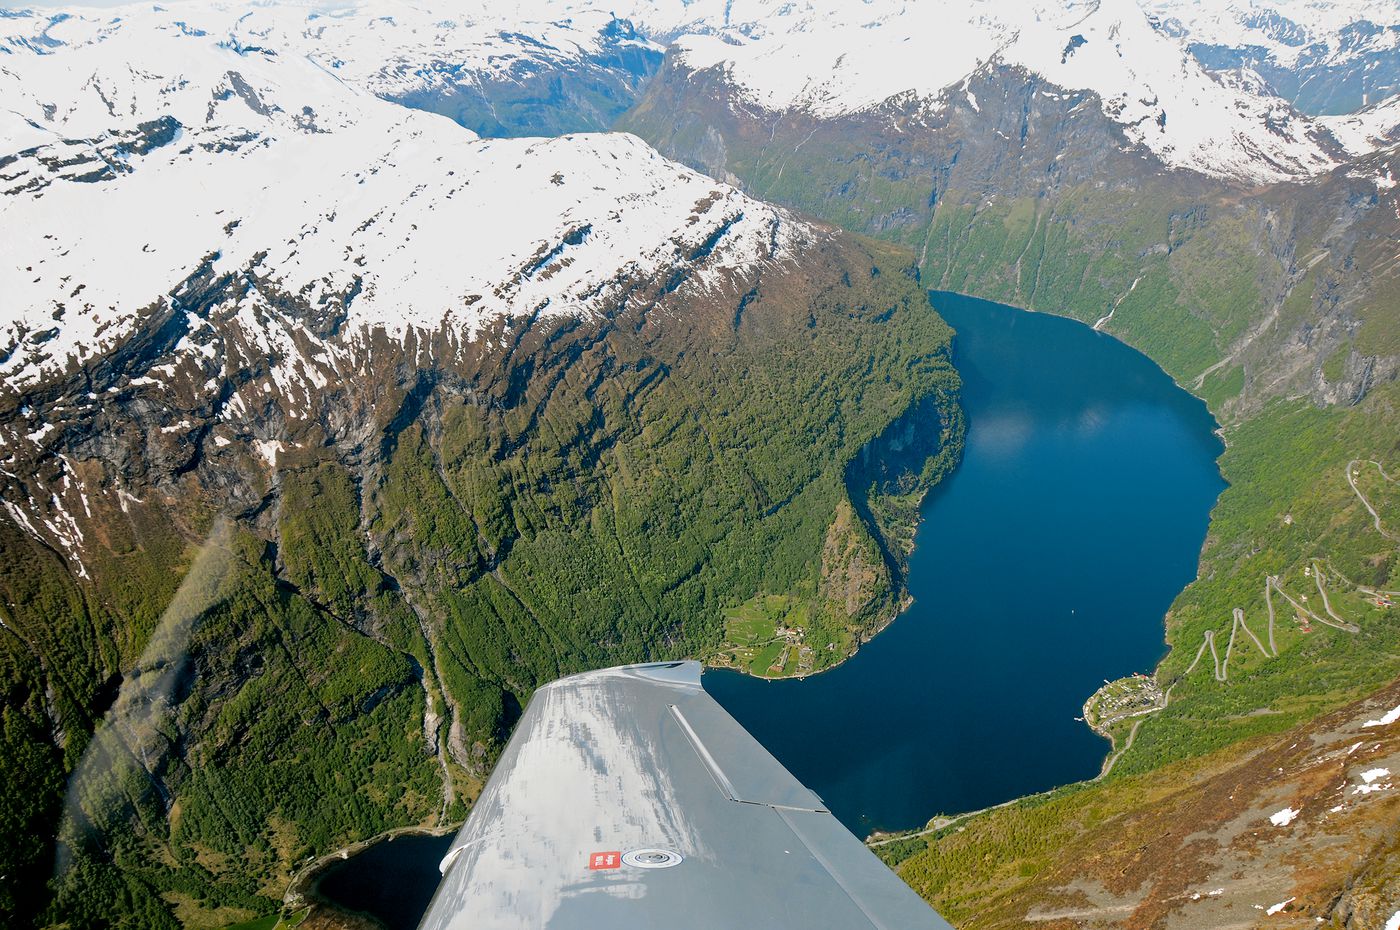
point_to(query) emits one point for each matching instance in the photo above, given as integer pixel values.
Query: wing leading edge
(628, 798)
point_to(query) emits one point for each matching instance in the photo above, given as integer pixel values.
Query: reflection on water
(1045, 564)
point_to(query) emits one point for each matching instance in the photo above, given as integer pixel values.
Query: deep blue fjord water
(1044, 565)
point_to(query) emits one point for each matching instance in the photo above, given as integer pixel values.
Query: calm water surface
(1044, 565)
(394, 879)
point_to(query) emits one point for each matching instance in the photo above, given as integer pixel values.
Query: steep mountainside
(1014, 189)
(1295, 830)
(1274, 302)
(832, 60)
(331, 430)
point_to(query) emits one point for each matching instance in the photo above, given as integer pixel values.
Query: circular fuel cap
(652, 858)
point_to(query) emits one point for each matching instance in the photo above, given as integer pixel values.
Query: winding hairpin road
(1352, 470)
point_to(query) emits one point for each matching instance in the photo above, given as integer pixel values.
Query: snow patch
(827, 57)
(1371, 775)
(1313, 28)
(1279, 906)
(125, 498)
(1386, 720)
(268, 449)
(1284, 817)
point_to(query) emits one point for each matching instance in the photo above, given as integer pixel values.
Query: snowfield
(835, 59)
(144, 150)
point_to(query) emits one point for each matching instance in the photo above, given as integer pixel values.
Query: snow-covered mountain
(835, 61)
(192, 215)
(1284, 27)
(1373, 128)
(149, 156)
(502, 72)
(1324, 56)
(832, 59)
(398, 51)
(486, 396)
(139, 152)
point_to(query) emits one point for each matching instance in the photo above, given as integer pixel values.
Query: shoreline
(865, 638)
(939, 822)
(1101, 727)
(938, 467)
(301, 887)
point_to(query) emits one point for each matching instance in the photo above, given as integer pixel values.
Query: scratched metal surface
(641, 758)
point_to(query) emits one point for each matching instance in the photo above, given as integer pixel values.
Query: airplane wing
(628, 798)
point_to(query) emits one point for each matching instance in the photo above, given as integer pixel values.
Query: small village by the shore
(1134, 696)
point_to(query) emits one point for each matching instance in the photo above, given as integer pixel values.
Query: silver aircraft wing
(628, 798)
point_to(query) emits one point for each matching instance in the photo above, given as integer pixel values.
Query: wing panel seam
(834, 873)
(725, 785)
(717, 773)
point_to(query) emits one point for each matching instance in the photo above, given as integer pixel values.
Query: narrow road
(1363, 588)
(1239, 618)
(939, 823)
(1352, 468)
(1221, 669)
(1269, 600)
(1237, 623)
(1326, 604)
(1221, 674)
(1128, 743)
(1199, 652)
(1230, 647)
(1342, 625)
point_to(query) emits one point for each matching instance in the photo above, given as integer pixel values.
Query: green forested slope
(348, 654)
(1033, 198)
(1277, 306)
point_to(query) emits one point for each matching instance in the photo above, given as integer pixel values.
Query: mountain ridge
(333, 429)
(437, 502)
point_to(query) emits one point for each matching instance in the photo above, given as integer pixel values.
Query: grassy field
(273, 922)
(768, 636)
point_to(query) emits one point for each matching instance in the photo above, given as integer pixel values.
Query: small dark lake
(393, 880)
(1044, 564)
